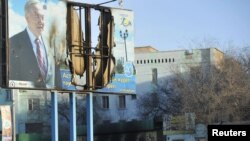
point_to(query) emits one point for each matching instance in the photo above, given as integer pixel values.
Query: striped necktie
(41, 59)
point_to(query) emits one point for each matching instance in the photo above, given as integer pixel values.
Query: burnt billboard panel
(51, 47)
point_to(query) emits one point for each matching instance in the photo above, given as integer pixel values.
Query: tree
(215, 92)
(162, 100)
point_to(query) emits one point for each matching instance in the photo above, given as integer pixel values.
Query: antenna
(120, 3)
(45, 5)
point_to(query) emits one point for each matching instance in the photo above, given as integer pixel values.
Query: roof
(145, 49)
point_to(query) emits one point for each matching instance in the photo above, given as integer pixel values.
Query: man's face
(35, 19)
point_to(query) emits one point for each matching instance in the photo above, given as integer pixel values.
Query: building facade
(152, 66)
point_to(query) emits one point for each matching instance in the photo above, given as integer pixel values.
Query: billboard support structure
(54, 116)
(72, 101)
(90, 125)
(89, 116)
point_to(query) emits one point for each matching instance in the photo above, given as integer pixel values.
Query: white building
(151, 67)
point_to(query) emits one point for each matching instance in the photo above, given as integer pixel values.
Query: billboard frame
(3, 43)
(89, 87)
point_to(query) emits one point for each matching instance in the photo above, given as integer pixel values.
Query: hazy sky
(180, 24)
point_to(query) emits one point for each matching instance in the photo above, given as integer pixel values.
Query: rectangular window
(133, 97)
(105, 102)
(154, 75)
(122, 102)
(33, 127)
(33, 104)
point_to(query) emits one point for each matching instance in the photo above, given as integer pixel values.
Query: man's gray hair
(29, 5)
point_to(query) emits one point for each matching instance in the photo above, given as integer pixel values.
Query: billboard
(124, 78)
(50, 47)
(6, 123)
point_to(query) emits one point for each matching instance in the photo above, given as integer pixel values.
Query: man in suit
(31, 60)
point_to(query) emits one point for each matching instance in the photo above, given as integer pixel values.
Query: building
(151, 65)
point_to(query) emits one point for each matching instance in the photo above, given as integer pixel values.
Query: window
(154, 75)
(173, 59)
(34, 104)
(133, 97)
(8, 95)
(137, 61)
(33, 127)
(155, 61)
(122, 102)
(162, 60)
(152, 61)
(144, 61)
(105, 102)
(169, 60)
(148, 61)
(189, 56)
(141, 61)
(166, 60)
(159, 60)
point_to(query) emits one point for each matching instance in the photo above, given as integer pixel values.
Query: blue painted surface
(66, 80)
(121, 83)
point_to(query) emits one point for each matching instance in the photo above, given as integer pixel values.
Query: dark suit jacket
(24, 65)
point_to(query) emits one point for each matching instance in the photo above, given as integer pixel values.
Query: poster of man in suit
(32, 62)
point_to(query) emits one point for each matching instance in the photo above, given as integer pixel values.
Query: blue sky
(182, 24)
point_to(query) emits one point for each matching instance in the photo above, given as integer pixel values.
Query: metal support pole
(13, 92)
(54, 117)
(89, 77)
(90, 126)
(72, 98)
